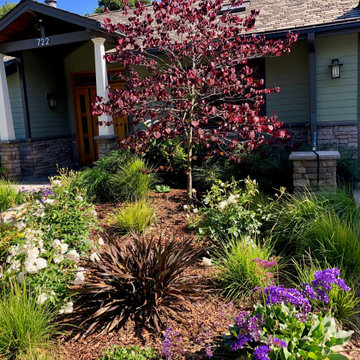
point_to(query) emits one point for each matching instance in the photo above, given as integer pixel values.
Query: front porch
(57, 70)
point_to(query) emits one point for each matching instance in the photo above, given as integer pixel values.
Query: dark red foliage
(199, 83)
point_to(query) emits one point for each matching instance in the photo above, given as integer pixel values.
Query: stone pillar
(314, 170)
(106, 144)
(6, 121)
(10, 158)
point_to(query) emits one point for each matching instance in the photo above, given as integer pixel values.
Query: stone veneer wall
(329, 136)
(42, 156)
(314, 170)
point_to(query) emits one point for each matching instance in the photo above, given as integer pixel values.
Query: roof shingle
(286, 14)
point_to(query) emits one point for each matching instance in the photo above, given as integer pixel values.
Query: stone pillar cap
(311, 155)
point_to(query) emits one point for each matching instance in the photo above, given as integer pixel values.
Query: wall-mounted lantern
(52, 100)
(335, 68)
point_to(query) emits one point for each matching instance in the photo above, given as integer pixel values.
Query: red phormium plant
(197, 80)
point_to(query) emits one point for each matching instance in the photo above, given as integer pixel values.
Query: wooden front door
(87, 127)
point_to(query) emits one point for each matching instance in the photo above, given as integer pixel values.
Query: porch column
(107, 140)
(102, 83)
(6, 121)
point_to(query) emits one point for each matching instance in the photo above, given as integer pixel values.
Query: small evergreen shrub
(134, 217)
(26, 327)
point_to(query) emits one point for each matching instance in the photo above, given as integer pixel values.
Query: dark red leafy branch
(197, 79)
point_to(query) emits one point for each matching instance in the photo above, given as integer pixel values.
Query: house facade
(52, 67)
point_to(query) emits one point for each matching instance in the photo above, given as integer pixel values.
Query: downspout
(313, 105)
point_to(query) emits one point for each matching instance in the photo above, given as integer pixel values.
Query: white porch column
(6, 121)
(102, 82)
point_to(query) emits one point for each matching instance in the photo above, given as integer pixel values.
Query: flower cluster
(172, 345)
(323, 282)
(266, 264)
(271, 328)
(278, 295)
(52, 234)
(250, 331)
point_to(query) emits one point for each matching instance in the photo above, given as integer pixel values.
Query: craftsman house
(52, 66)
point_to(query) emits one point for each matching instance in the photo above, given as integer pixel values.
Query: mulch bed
(206, 313)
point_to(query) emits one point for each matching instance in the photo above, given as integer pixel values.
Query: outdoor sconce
(335, 68)
(52, 100)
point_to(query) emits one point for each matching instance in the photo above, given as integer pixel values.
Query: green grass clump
(343, 305)
(9, 195)
(134, 217)
(134, 180)
(128, 353)
(333, 241)
(120, 176)
(238, 274)
(326, 224)
(26, 328)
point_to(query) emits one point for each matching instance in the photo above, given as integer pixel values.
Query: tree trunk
(189, 169)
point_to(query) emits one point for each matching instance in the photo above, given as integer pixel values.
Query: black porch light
(335, 68)
(52, 100)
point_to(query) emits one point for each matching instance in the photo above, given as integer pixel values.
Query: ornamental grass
(142, 280)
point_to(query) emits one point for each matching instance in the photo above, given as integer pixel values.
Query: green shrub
(26, 327)
(241, 267)
(134, 217)
(46, 247)
(342, 305)
(9, 195)
(169, 157)
(128, 353)
(230, 212)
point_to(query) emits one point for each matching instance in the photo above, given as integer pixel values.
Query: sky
(77, 6)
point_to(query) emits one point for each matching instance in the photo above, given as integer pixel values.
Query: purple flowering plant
(285, 326)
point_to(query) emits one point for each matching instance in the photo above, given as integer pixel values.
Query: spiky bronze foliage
(142, 280)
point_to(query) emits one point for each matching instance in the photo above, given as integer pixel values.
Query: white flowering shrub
(48, 241)
(230, 211)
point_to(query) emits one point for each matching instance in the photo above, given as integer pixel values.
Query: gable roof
(285, 15)
(31, 5)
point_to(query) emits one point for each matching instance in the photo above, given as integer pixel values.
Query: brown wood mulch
(208, 313)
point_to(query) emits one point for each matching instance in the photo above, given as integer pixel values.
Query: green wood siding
(291, 73)
(45, 74)
(16, 105)
(337, 98)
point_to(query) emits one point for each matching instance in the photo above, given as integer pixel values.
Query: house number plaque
(45, 41)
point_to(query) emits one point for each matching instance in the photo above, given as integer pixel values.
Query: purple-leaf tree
(197, 80)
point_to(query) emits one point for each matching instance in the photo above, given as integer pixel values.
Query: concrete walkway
(33, 183)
